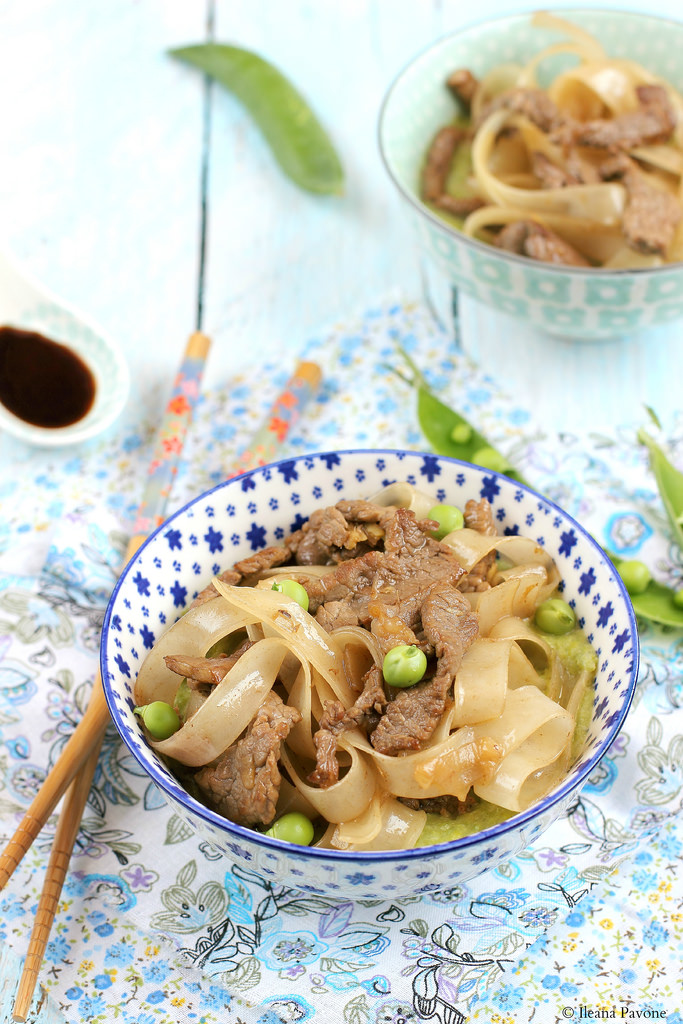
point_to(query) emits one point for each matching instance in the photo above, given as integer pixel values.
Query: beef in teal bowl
(539, 160)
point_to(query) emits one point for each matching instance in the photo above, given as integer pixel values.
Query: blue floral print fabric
(155, 927)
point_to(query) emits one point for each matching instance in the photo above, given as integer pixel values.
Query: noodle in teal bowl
(539, 160)
(380, 672)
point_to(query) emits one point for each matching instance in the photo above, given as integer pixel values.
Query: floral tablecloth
(156, 928)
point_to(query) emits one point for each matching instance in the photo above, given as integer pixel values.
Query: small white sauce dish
(27, 306)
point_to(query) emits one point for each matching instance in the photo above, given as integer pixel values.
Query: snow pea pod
(669, 483)
(656, 603)
(449, 433)
(297, 139)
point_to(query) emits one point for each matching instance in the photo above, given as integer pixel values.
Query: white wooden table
(99, 194)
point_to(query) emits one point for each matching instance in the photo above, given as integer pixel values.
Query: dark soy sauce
(41, 381)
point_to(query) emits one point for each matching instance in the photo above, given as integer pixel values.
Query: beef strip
(479, 517)
(460, 206)
(549, 174)
(259, 562)
(199, 671)
(652, 123)
(229, 576)
(400, 576)
(410, 718)
(534, 104)
(336, 719)
(438, 162)
(463, 84)
(337, 533)
(447, 806)
(243, 784)
(389, 630)
(651, 216)
(528, 238)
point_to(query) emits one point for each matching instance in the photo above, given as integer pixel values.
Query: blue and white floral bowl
(259, 508)
(573, 302)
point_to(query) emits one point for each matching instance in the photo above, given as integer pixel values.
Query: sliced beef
(438, 162)
(528, 238)
(335, 615)
(339, 532)
(460, 206)
(534, 104)
(651, 216)
(463, 84)
(447, 806)
(652, 123)
(400, 576)
(259, 562)
(205, 670)
(479, 517)
(410, 718)
(229, 577)
(549, 174)
(336, 719)
(333, 721)
(389, 629)
(360, 511)
(243, 784)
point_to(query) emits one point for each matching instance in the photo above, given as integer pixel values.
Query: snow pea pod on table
(298, 141)
(449, 433)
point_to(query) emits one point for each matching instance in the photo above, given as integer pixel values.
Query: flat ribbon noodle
(603, 202)
(229, 708)
(513, 628)
(481, 682)
(395, 827)
(343, 800)
(401, 776)
(193, 634)
(533, 732)
(309, 640)
(404, 495)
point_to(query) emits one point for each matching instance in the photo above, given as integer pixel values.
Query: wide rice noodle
(501, 734)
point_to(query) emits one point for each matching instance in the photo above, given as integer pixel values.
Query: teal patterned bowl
(577, 303)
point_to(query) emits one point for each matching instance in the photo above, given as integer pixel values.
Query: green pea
(159, 719)
(555, 616)
(292, 828)
(489, 458)
(404, 665)
(461, 433)
(636, 576)
(449, 518)
(294, 590)
(677, 598)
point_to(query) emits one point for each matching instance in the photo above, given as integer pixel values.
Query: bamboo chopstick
(84, 745)
(58, 864)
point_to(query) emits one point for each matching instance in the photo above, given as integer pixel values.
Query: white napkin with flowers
(155, 926)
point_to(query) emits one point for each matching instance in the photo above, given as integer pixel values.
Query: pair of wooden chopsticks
(78, 760)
